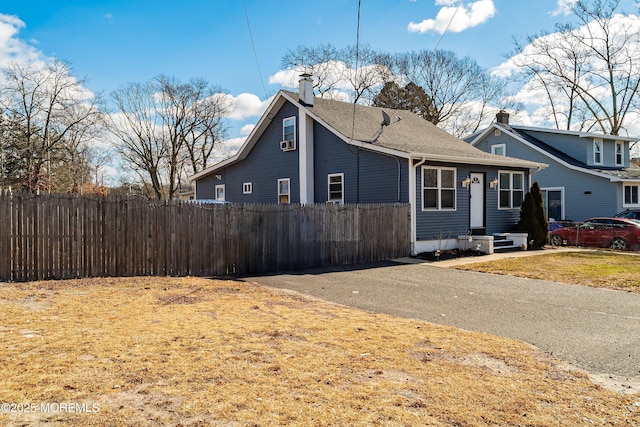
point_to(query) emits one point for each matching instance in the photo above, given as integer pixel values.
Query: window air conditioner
(287, 145)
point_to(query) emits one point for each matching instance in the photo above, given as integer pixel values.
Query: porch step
(502, 244)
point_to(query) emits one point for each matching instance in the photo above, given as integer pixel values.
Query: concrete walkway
(596, 330)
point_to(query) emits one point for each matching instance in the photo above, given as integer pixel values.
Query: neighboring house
(311, 150)
(589, 174)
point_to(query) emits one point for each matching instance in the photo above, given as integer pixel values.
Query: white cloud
(246, 129)
(247, 105)
(564, 7)
(228, 148)
(456, 19)
(286, 78)
(534, 98)
(12, 48)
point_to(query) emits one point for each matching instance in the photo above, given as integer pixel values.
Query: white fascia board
(484, 133)
(578, 133)
(213, 168)
(562, 162)
(508, 162)
(276, 103)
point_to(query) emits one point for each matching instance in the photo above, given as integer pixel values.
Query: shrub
(533, 219)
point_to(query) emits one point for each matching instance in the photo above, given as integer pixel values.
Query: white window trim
(247, 187)
(439, 188)
(288, 194)
(511, 189)
(624, 202)
(597, 141)
(224, 192)
(621, 145)
(329, 199)
(284, 121)
(494, 147)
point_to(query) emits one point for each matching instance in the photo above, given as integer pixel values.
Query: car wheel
(619, 243)
(555, 240)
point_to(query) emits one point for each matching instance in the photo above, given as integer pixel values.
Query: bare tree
(163, 127)
(590, 73)
(354, 74)
(52, 117)
(137, 129)
(463, 95)
(455, 85)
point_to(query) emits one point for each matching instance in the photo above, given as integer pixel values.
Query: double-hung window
(289, 129)
(438, 188)
(284, 193)
(619, 153)
(597, 151)
(336, 188)
(631, 195)
(511, 187)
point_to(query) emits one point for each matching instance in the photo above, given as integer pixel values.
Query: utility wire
(253, 46)
(353, 123)
(448, 25)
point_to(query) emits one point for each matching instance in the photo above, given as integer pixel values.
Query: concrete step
(502, 249)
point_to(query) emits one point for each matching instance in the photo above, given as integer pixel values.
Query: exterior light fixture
(466, 182)
(494, 183)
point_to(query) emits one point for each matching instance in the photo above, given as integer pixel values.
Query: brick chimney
(305, 89)
(502, 117)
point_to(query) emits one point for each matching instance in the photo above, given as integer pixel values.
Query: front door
(476, 203)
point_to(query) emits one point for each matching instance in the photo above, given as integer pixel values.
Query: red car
(614, 233)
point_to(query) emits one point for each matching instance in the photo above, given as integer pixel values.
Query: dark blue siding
(368, 177)
(263, 166)
(444, 224)
(585, 195)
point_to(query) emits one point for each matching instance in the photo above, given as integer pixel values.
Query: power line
(353, 123)
(253, 46)
(448, 25)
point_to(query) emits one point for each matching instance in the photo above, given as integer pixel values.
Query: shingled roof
(407, 133)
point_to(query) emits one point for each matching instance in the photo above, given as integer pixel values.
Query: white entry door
(476, 204)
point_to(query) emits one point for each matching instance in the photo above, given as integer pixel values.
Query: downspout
(413, 200)
(538, 169)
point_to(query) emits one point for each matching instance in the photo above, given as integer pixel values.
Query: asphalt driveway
(595, 330)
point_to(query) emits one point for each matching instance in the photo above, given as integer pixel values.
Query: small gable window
(289, 129)
(597, 151)
(438, 188)
(619, 153)
(499, 149)
(511, 189)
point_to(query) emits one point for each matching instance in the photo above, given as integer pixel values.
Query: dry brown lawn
(198, 352)
(596, 268)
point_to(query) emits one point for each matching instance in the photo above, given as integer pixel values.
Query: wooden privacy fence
(52, 237)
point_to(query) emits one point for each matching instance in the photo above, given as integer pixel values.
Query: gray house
(312, 150)
(589, 174)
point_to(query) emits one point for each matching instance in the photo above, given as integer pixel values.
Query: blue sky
(114, 42)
